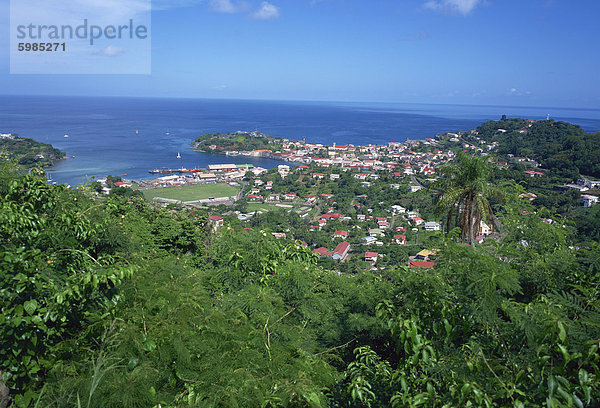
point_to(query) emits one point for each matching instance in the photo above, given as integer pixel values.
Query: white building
(432, 226)
(588, 200)
(484, 229)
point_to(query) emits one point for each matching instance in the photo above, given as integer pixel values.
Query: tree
(465, 190)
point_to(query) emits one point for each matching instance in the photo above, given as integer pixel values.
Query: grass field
(192, 192)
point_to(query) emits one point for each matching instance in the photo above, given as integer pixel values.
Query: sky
(493, 52)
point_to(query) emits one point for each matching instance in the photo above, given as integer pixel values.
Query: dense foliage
(237, 141)
(564, 148)
(110, 303)
(30, 153)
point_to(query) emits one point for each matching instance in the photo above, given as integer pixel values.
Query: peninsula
(28, 152)
(244, 143)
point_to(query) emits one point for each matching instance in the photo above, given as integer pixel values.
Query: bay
(102, 136)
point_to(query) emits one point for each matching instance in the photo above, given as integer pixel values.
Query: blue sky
(507, 52)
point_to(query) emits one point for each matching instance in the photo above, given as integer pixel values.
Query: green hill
(237, 141)
(563, 147)
(30, 153)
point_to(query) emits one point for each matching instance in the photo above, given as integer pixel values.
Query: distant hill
(558, 146)
(28, 152)
(237, 141)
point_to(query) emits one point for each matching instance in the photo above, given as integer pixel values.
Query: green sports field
(192, 192)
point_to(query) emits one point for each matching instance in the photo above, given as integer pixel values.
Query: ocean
(102, 136)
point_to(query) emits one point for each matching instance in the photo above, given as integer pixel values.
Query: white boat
(66, 136)
(178, 156)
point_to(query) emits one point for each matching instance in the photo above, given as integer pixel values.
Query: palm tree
(464, 192)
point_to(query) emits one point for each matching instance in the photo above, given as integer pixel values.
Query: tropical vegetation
(109, 302)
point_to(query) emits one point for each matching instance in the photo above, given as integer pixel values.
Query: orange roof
(422, 264)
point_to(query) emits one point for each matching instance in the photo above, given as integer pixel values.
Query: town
(357, 207)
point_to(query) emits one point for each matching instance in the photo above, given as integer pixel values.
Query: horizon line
(298, 100)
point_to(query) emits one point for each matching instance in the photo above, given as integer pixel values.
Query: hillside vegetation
(237, 141)
(111, 303)
(563, 147)
(30, 153)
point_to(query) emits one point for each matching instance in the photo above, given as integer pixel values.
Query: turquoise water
(102, 131)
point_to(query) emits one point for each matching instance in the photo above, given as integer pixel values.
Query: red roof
(422, 264)
(215, 218)
(340, 232)
(331, 215)
(341, 248)
(322, 251)
(371, 254)
(400, 237)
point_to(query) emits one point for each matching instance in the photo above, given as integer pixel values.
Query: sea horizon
(102, 137)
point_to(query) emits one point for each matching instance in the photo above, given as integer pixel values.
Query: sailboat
(137, 132)
(66, 136)
(178, 155)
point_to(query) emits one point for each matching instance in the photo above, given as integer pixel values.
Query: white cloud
(220, 87)
(516, 92)
(112, 51)
(224, 6)
(266, 11)
(463, 7)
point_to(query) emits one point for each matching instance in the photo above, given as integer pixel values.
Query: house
(334, 176)
(322, 251)
(254, 197)
(365, 184)
(376, 232)
(318, 175)
(360, 176)
(341, 251)
(422, 264)
(289, 197)
(577, 187)
(283, 170)
(216, 221)
(432, 226)
(371, 256)
(269, 185)
(368, 240)
(417, 221)
(588, 200)
(327, 196)
(424, 255)
(361, 217)
(591, 184)
(398, 209)
(400, 239)
(122, 184)
(279, 234)
(383, 224)
(532, 173)
(414, 189)
(484, 229)
(311, 198)
(273, 197)
(340, 234)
